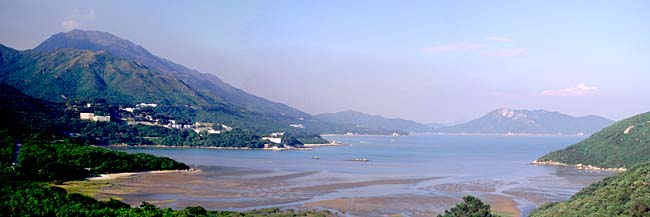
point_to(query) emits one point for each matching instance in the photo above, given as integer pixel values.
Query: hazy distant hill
(436, 125)
(624, 144)
(505, 120)
(375, 122)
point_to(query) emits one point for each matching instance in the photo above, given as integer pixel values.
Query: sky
(428, 61)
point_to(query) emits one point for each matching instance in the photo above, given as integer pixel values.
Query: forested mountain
(624, 144)
(204, 83)
(506, 120)
(80, 66)
(373, 122)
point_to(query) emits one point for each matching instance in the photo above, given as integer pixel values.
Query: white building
(93, 117)
(273, 139)
(153, 105)
(87, 116)
(300, 126)
(99, 118)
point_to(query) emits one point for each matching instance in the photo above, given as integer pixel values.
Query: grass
(85, 187)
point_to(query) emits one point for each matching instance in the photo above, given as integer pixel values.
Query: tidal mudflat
(411, 176)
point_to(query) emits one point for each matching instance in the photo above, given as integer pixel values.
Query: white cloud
(71, 24)
(79, 19)
(498, 39)
(581, 90)
(455, 47)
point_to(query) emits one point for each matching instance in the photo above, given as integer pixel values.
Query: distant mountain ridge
(509, 121)
(374, 122)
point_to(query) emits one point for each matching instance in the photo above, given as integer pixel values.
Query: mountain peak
(506, 120)
(93, 40)
(505, 112)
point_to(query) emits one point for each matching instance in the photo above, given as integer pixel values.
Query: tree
(470, 207)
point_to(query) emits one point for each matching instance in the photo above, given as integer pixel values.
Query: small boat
(315, 157)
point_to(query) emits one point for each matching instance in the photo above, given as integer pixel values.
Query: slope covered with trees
(471, 206)
(624, 144)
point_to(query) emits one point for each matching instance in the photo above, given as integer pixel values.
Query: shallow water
(443, 165)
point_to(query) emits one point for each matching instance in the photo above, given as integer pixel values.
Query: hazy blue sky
(430, 61)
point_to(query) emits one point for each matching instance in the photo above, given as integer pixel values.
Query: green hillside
(84, 75)
(623, 144)
(625, 194)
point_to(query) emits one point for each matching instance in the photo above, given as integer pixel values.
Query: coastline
(577, 166)
(465, 134)
(503, 134)
(212, 147)
(112, 176)
(325, 144)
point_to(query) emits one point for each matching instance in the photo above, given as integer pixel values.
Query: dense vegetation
(68, 161)
(470, 207)
(625, 194)
(624, 144)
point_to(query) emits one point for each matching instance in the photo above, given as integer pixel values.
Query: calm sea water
(459, 158)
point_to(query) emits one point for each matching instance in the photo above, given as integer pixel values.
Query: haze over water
(437, 166)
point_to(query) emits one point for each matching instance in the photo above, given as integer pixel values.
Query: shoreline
(113, 176)
(464, 134)
(503, 134)
(577, 166)
(325, 145)
(212, 147)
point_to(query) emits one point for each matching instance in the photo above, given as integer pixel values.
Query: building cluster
(133, 117)
(275, 138)
(93, 117)
(299, 126)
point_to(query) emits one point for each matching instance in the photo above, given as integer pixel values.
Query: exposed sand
(346, 185)
(502, 204)
(110, 176)
(411, 205)
(532, 195)
(473, 186)
(243, 189)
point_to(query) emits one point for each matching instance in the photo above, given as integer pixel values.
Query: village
(140, 114)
